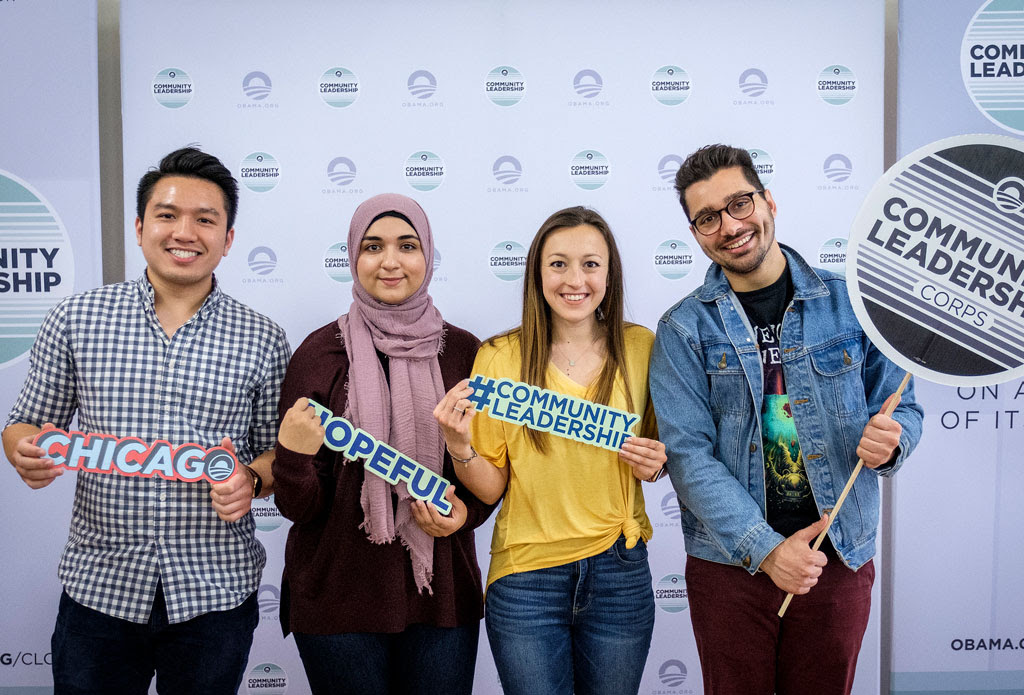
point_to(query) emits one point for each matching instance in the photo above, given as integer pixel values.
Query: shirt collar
(147, 295)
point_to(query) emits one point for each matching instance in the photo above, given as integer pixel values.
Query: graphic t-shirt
(788, 499)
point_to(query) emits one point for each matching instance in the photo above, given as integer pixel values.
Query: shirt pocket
(839, 370)
(727, 384)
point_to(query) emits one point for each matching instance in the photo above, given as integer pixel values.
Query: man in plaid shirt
(159, 575)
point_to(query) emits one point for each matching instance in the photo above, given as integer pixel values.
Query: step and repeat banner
(958, 552)
(494, 115)
(49, 248)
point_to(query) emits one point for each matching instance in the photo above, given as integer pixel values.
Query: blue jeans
(421, 659)
(582, 628)
(94, 653)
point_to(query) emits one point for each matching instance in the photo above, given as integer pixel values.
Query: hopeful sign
(937, 253)
(381, 459)
(553, 412)
(130, 456)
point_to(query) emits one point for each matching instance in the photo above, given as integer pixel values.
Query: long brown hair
(534, 333)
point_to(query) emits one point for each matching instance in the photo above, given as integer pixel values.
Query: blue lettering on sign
(552, 412)
(382, 460)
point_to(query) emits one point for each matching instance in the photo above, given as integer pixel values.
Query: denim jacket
(706, 386)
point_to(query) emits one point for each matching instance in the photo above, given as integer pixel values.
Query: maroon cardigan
(336, 580)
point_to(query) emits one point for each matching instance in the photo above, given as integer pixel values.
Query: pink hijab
(410, 334)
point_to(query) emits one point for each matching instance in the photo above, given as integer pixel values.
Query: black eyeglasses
(739, 208)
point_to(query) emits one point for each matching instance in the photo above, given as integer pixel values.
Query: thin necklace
(572, 362)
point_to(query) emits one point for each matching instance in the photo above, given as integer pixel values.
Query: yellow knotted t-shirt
(575, 500)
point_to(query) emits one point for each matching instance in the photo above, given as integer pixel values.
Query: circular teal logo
(424, 170)
(670, 594)
(37, 262)
(992, 62)
(266, 679)
(508, 260)
(339, 87)
(336, 262)
(172, 88)
(589, 170)
(260, 172)
(670, 85)
(832, 254)
(764, 165)
(505, 86)
(266, 514)
(837, 85)
(673, 259)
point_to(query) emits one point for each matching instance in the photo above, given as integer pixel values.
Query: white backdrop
(958, 552)
(49, 248)
(247, 85)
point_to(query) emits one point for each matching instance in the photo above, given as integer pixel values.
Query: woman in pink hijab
(381, 591)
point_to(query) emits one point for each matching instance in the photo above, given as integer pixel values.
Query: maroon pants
(746, 649)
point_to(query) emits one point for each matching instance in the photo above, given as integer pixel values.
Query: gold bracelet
(464, 462)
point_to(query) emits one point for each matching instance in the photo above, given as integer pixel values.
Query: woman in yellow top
(569, 605)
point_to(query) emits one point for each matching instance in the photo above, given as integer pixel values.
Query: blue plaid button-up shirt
(104, 354)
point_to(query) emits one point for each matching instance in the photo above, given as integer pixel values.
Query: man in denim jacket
(767, 392)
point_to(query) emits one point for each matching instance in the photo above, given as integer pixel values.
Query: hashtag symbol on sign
(482, 387)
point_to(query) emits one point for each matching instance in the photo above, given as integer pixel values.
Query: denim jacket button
(753, 447)
(746, 562)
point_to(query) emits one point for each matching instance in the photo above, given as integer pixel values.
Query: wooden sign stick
(849, 486)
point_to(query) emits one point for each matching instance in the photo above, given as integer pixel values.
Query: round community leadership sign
(936, 261)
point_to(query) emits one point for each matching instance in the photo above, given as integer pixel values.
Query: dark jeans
(746, 649)
(584, 627)
(421, 659)
(94, 653)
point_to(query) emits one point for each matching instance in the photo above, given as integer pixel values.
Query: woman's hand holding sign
(453, 414)
(645, 456)
(301, 431)
(435, 524)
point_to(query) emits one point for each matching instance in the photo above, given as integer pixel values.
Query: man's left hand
(880, 438)
(232, 498)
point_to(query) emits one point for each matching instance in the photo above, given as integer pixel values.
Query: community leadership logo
(670, 593)
(267, 679)
(422, 84)
(256, 85)
(424, 171)
(589, 170)
(508, 260)
(172, 87)
(339, 87)
(837, 85)
(260, 172)
(262, 260)
(764, 165)
(992, 62)
(505, 86)
(832, 254)
(336, 262)
(673, 259)
(37, 265)
(587, 83)
(266, 514)
(670, 85)
(937, 261)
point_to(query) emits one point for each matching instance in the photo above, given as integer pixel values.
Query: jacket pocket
(839, 368)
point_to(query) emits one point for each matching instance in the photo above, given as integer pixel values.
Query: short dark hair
(708, 161)
(193, 163)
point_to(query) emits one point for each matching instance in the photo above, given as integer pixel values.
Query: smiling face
(745, 249)
(183, 234)
(574, 273)
(391, 265)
